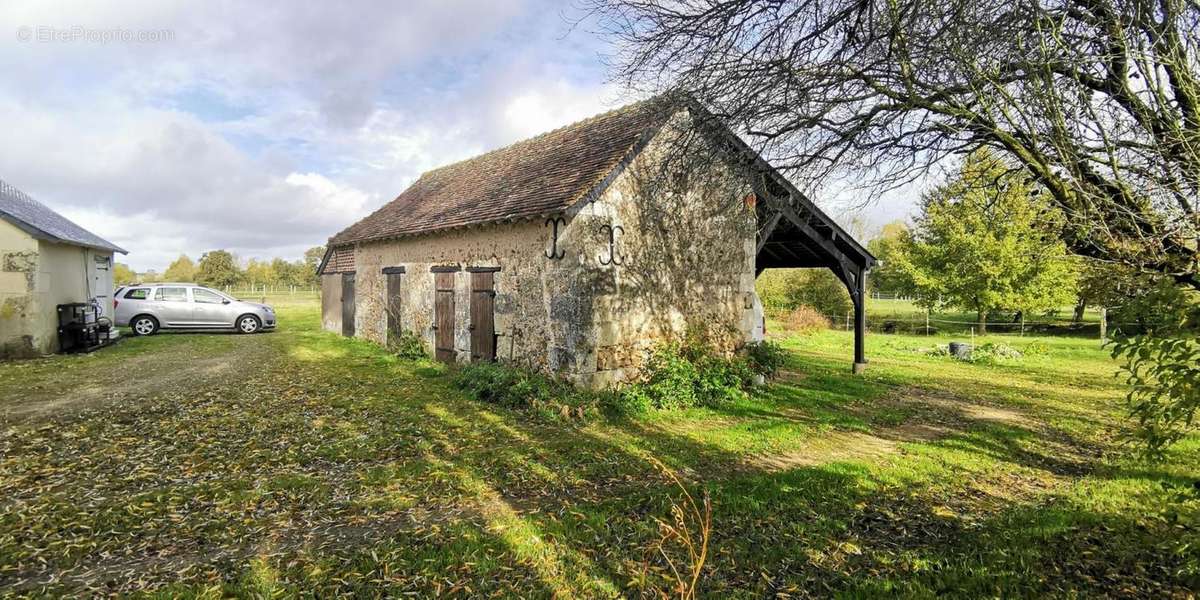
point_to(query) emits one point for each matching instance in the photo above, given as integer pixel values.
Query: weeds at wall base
(674, 376)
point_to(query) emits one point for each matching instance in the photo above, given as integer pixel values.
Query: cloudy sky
(263, 128)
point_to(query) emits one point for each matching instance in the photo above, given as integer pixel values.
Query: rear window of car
(138, 294)
(172, 294)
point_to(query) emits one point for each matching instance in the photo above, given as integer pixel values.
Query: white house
(45, 260)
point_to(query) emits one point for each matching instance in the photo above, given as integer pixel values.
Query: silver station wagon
(146, 308)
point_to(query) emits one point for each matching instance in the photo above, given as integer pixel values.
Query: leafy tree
(312, 260)
(1108, 285)
(123, 275)
(885, 278)
(258, 273)
(786, 289)
(985, 242)
(182, 269)
(289, 273)
(1162, 363)
(218, 269)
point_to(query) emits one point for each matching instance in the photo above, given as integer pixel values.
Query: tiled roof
(39, 221)
(541, 175)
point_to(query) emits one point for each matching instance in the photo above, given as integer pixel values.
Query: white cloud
(265, 128)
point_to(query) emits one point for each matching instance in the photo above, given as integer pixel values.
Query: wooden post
(860, 323)
(1022, 323)
(927, 322)
(1103, 325)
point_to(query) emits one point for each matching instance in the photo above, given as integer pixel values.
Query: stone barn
(575, 251)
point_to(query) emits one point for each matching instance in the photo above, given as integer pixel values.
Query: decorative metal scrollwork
(613, 257)
(554, 253)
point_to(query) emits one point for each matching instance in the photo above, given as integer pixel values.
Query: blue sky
(264, 128)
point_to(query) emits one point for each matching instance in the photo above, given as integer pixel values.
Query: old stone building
(577, 250)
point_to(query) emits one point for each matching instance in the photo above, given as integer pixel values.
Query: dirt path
(130, 372)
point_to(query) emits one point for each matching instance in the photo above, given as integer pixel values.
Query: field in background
(301, 462)
(889, 315)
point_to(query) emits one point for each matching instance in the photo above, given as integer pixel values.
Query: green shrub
(766, 358)
(677, 376)
(790, 288)
(408, 346)
(668, 381)
(513, 387)
(990, 352)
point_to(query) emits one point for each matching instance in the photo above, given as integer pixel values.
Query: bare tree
(1098, 100)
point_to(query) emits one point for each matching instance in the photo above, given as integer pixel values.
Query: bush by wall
(682, 376)
(407, 346)
(766, 358)
(674, 376)
(519, 388)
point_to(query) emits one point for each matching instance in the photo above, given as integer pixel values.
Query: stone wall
(524, 286)
(687, 250)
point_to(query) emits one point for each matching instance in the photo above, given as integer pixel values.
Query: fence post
(847, 321)
(1022, 323)
(1103, 325)
(926, 322)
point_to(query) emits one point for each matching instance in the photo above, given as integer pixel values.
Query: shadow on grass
(338, 469)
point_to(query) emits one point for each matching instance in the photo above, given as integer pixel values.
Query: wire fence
(930, 324)
(271, 290)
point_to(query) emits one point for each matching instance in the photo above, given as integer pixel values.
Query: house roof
(554, 171)
(39, 221)
(538, 176)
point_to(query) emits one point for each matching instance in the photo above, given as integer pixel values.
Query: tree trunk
(982, 321)
(1079, 308)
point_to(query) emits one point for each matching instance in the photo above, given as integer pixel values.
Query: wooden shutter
(348, 304)
(443, 317)
(392, 301)
(483, 316)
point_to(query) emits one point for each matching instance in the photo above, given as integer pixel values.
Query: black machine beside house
(82, 327)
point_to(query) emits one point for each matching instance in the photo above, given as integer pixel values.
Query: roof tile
(541, 175)
(43, 223)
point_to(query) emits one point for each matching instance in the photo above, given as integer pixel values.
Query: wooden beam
(767, 231)
(808, 230)
(860, 323)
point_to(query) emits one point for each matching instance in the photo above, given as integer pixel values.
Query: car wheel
(144, 325)
(248, 324)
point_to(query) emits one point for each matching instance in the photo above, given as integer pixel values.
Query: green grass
(302, 463)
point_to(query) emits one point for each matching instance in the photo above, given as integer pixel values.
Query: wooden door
(348, 304)
(483, 317)
(392, 302)
(443, 317)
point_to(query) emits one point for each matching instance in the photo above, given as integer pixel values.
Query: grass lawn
(303, 463)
